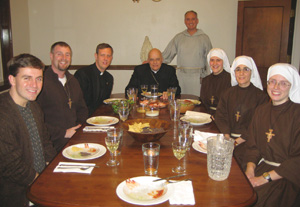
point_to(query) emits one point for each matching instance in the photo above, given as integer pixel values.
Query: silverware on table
(167, 178)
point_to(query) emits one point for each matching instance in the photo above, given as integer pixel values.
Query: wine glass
(144, 89)
(112, 144)
(179, 150)
(123, 113)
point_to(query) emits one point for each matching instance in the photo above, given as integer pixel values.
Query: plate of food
(194, 101)
(149, 95)
(200, 146)
(84, 151)
(102, 120)
(143, 191)
(111, 100)
(197, 120)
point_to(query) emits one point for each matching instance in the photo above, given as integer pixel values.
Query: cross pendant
(70, 103)
(237, 115)
(270, 135)
(212, 100)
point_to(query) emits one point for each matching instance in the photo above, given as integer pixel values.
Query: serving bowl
(186, 105)
(120, 103)
(149, 136)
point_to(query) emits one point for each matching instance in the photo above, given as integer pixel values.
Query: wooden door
(263, 32)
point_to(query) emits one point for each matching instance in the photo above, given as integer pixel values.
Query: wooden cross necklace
(68, 95)
(212, 100)
(270, 133)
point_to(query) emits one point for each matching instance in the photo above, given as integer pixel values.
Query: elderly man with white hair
(237, 105)
(273, 146)
(214, 85)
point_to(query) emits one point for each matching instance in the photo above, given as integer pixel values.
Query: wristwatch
(267, 176)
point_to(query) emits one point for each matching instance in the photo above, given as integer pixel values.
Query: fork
(177, 181)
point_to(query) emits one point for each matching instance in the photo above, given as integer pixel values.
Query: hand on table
(71, 131)
(165, 95)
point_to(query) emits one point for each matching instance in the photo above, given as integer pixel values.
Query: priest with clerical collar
(154, 73)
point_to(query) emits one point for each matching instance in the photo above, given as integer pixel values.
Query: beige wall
(121, 23)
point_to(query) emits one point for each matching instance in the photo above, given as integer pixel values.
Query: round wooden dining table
(99, 187)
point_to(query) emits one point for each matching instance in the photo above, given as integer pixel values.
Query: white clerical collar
(63, 80)
(155, 71)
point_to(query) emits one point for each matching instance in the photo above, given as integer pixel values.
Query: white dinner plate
(84, 151)
(110, 100)
(198, 148)
(102, 120)
(141, 179)
(196, 102)
(148, 95)
(201, 119)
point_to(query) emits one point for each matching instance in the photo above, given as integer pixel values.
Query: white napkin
(202, 136)
(74, 167)
(183, 193)
(96, 129)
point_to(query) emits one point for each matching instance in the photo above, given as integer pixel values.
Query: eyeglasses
(245, 70)
(280, 84)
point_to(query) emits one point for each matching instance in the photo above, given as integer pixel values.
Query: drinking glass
(151, 157)
(132, 94)
(174, 110)
(186, 133)
(144, 88)
(154, 90)
(112, 144)
(116, 132)
(123, 113)
(179, 150)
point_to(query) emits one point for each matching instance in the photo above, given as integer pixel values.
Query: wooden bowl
(186, 105)
(148, 137)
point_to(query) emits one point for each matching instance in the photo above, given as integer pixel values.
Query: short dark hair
(103, 46)
(192, 12)
(23, 61)
(60, 43)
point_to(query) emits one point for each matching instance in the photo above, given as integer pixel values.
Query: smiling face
(26, 85)
(216, 65)
(103, 58)
(243, 75)
(60, 58)
(191, 21)
(278, 93)
(155, 59)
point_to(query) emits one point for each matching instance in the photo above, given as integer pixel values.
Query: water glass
(185, 133)
(132, 94)
(116, 132)
(219, 157)
(154, 90)
(171, 93)
(174, 110)
(144, 88)
(123, 113)
(151, 157)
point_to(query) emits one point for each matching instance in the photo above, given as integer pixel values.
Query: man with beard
(191, 47)
(61, 98)
(96, 83)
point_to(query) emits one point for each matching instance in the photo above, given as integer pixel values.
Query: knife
(167, 178)
(65, 165)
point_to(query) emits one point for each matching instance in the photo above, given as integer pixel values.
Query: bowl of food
(121, 103)
(186, 105)
(146, 130)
